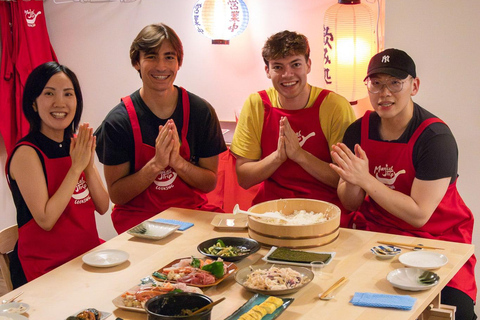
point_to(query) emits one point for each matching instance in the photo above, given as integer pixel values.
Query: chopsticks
(337, 284)
(409, 245)
(208, 306)
(13, 298)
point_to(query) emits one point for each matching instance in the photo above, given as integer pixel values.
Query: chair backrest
(8, 238)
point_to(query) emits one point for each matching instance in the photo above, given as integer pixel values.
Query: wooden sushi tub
(295, 236)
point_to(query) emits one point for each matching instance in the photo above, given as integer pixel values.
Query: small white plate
(407, 279)
(423, 259)
(14, 307)
(105, 258)
(153, 230)
(230, 221)
(385, 252)
(12, 316)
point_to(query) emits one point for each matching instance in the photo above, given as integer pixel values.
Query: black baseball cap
(394, 62)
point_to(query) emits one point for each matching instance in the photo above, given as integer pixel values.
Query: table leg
(438, 311)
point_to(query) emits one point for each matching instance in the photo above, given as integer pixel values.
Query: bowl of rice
(309, 223)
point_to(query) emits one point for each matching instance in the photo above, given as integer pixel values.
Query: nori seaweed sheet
(285, 254)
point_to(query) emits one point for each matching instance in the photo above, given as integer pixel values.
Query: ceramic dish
(231, 268)
(119, 301)
(242, 275)
(256, 300)
(103, 314)
(14, 307)
(241, 243)
(230, 221)
(105, 258)
(408, 279)
(153, 230)
(12, 316)
(267, 258)
(385, 252)
(423, 259)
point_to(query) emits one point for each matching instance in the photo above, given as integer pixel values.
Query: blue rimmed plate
(385, 252)
(256, 300)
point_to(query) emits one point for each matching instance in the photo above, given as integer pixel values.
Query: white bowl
(13, 307)
(408, 279)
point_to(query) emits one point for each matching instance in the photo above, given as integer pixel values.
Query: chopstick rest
(409, 245)
(378, 300)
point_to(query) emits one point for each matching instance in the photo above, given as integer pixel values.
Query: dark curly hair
(285, 43)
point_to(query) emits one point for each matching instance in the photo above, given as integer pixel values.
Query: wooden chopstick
(409, 245)
(208, 306)
(333, 287)
(14, 297)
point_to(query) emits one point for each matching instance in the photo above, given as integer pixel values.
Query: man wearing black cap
(398, 170)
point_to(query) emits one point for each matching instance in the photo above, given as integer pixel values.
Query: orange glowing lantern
(348, 43)
(220, 20)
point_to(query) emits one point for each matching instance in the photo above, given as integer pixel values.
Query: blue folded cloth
(183, 225)
(366, 299)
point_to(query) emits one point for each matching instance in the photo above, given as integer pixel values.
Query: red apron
(26, 45)
(8, 127)
(167, 190)
(74, 233)
(392, 164)
(290, 180)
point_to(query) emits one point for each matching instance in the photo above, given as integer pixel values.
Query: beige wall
(441, 35)
(443, 38)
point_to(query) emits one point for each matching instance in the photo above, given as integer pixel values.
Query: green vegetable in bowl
(220, 249)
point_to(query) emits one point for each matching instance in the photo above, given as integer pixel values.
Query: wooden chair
(8, 239)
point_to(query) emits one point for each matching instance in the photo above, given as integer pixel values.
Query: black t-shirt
(115, 143)
(52, 150)
(435, 154)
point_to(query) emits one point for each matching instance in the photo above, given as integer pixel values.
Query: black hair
(36, 82)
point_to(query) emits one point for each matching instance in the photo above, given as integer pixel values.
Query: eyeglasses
(393, 85)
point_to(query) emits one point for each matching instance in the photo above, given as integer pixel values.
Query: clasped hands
(82, 148)
(288, 146)
(167, 146)
(353, 168)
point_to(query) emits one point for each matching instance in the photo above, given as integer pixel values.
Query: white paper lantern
(220, 20)
(349, 43)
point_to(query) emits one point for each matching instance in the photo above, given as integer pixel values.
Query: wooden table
(75, 285)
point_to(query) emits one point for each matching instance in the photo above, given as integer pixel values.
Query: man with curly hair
(283, 136)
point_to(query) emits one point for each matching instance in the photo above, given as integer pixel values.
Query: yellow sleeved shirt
(335, 114)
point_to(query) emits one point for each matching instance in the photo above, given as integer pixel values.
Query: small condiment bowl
(385, 252)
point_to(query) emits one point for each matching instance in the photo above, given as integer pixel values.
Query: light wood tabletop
(75, 285)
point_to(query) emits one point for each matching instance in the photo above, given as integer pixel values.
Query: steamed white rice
(298, 217)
